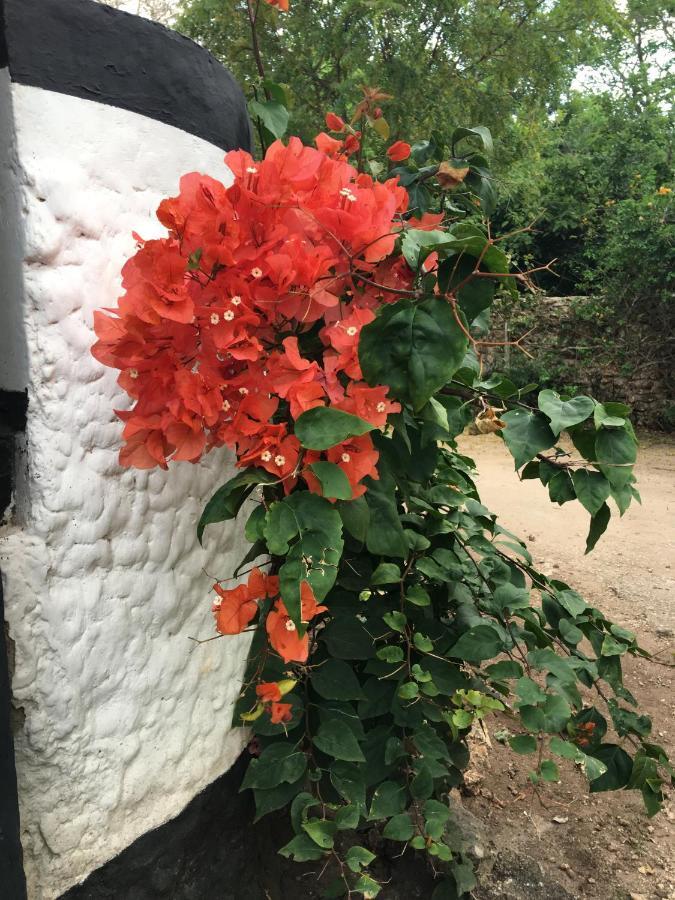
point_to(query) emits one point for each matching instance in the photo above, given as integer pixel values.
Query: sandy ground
(602, 846)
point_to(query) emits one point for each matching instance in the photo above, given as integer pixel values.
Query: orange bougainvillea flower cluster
(235, 609)
(249, 313)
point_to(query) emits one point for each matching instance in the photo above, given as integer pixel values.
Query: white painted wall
(125, 720)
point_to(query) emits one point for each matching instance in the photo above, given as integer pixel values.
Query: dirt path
(601, 846)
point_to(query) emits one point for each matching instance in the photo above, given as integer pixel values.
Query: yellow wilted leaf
(381, 126)
(255, 714)
(286, 685)
(449, 177)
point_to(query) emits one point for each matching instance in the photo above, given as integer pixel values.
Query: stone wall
(121, 719)
(573, 350)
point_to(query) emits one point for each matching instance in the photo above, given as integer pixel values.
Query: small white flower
(236, 300)
(228, 315)
(215, 318)
(279, 460)
(290, 626)
(226, 405)
(256, 272)
(351, 331)
(381, 406)
(252, 170)
(133, 373)
(345, 457)
(243, 391)
(266, 456)
(347, 194)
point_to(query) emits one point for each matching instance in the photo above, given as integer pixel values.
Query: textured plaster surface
(125, 719)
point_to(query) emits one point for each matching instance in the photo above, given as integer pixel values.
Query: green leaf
(422, 785)
(417, 244)
(280, 527)
(349, 781)
(549, 771)
(390, 654)
(591, 488)
(413, 348)
(561, 488)
(388, 800)
(599, 524)
(417, 595)
(386, 573)
(385, 533)
(479, 135)
(616, 451)
(255, 524)
(508, 596)
(523, 743)
(335, 680)
(619, 768)
(266, 801)
(478, 643)
(355, 517)
(347, 817)
(272, 114)
(334, 482)
(529, 691)
(399, 828)
(505, 669)
(408, 691)
(464, 878)
(321, 832)
(346, 638)
(315, 555)
(356, 857)
(276, 764)
(301, 849)
(337, 741)
(608, 418)
(323, 427)
(564, 413)
(227, 500)
(395, 620)
(526, 434)
(367, 886)
(422, 643)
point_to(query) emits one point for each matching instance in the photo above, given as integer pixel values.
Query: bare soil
(600, 845)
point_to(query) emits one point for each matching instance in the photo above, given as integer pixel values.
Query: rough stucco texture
(125, 718)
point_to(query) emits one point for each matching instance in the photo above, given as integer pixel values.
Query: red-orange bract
(209, 332)
(399, 151)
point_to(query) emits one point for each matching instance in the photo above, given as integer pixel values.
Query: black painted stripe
(89, 50)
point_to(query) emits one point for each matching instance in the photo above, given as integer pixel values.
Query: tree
(162, 11)
(476, 60)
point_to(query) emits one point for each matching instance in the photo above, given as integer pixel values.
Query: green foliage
(435, 616)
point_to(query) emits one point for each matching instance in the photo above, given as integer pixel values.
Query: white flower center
(235, 301)
(381, 406)
(279, 460)
(252, 170)
(256, 272)
(228, 315)
(290, 626)
(215, 318)
(243, 391)
(133, 373)
(266, 456)
(345, 457)
(347, 194)
(226, 405)
(351, 331)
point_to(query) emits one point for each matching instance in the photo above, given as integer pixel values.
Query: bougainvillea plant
(324, 324)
